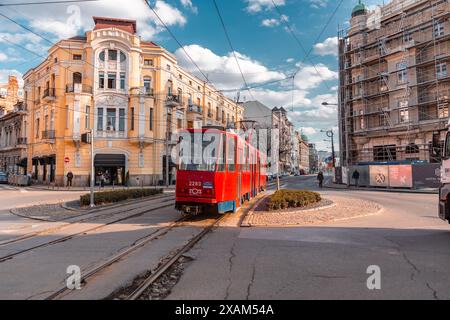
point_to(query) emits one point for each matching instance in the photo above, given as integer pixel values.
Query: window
(180, 77)
(76, 57)
(67, 117)
(76, 77)
(147, 85)
(402, 76)
(407, 37)
(111, 119)
(102, 56)
(168, 67)
(148, 62)
(150, 119)
(403, 115)
(111, 80)
(87, 117)
(132, 119)
(112, 55)
(100, 119)
(441, 70)
(361, 119)
(121, 120)
(169, 88)
(122, 80)
(412, 148)
(37, 127)
(438, 29)
(122, 56)
(101, 80)
(231, 154)
(443, 111)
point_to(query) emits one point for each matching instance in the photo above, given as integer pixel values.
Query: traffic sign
(66, 159)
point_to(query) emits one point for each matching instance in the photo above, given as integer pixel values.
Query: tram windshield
(201, 151)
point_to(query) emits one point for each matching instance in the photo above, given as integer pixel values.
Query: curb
(383, 190)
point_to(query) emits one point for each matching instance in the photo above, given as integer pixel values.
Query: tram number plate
(195, 192)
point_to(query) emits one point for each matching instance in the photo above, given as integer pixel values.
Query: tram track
(87, 230)
(93, 215)
(170, 261)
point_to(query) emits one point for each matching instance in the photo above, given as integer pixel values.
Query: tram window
(221, 155)
(231, 155)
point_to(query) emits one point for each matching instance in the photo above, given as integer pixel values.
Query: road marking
(22, 190)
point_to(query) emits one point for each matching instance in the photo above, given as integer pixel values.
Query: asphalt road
(407, 241)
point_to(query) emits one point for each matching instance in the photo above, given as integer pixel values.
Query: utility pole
(330, 134)
(92, 204)
(278, 162)
(167, 146)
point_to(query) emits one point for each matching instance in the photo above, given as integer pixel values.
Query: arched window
(102, 56)
(77, 77)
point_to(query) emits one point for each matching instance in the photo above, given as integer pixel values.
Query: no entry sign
(66, 159)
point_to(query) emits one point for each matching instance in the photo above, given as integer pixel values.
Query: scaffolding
(394, 83)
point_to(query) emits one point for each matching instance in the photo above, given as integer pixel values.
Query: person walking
(355, 177)
(320, 179)
(69, 179)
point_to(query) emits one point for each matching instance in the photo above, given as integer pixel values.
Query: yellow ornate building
(130, 92)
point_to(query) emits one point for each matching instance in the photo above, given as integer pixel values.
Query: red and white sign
(66, 159)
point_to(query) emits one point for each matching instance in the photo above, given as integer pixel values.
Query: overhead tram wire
(232, 48)
(44, 3)
(176, 40)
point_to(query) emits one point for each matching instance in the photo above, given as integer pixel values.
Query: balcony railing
(195, 108)
(49, 93)
(48, 134)
(173, 100)
(148, 91)
(78, 88)
(22, 141)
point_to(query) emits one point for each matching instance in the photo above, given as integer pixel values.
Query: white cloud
(316, 4)
(309, 77)
(259, 5)
(328, 47)
(309, 130)
(270, 22)
(223, 70)
(3, 57)
(62, 22)
(188, 4)
(274, 22)
(290, 60)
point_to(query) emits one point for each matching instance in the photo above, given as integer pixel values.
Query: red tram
(221, 183)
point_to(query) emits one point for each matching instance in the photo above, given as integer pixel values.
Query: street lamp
(330, 134)
(329, 104)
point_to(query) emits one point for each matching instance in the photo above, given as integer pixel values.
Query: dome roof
(359, 9)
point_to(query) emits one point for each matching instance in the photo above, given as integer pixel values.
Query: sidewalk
(97, 188)
(332, 185)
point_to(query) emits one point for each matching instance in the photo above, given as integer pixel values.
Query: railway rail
(140, 211)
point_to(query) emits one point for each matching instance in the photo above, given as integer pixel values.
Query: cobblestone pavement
(47, 212)
(332, 208)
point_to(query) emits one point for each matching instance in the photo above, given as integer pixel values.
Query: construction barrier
(412, 176)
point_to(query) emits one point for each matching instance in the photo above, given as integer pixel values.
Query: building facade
(13, 140)
(10, 95)
(394, 85)
(277, 126)
(313, 158)
(303, 153)
(130, 93)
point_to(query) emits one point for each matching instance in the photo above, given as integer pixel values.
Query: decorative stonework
(111, 100)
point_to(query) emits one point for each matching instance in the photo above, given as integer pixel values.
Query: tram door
(239, 176)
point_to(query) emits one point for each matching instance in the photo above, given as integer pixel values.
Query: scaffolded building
(394, 85)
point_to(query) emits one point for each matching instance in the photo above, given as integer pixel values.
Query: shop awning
(109, 160)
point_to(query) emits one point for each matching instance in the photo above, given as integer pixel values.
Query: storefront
(110, 168)
(44, 168)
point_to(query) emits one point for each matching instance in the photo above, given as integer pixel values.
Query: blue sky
(265, 48)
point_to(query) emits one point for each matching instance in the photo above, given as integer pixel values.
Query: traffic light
(86, 137)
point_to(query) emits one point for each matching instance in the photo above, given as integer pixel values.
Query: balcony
(22, 141)
(78, 88)
(48, 134)
(49, 94)
(146, 91)
(173, 100)
(194, 108)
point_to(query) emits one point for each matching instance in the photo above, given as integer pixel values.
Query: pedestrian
(69, 179)
(355, 176)
(320, 179)
(102, 180)
(29, 177)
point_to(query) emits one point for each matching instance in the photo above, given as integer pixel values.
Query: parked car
(3, 177)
